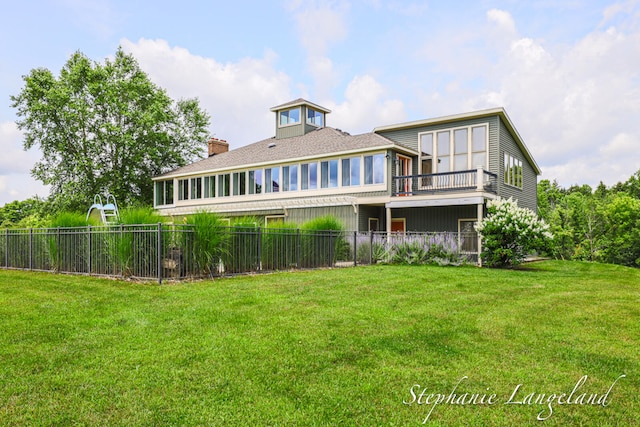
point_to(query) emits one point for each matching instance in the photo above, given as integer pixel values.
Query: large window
(196, 188)
(272, 180)
(183, 189)
(456, 149)
(314, 117)
(239, 183)
(309, 173)
(329, 174)
(351, 171)
(512, 170)
(224, 185)
(290, 178)
(255, 181)
(164, 193)
(209, 186)
(374, 169)
(290, 117)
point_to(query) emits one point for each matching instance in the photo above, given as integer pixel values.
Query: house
(426, 175)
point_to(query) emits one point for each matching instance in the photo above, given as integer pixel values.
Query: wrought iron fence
(160, 251)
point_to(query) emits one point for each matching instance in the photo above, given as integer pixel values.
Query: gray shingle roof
(321, 142)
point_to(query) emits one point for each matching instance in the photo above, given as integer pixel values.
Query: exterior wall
(437, 218)
(367, 211)
(527, 196)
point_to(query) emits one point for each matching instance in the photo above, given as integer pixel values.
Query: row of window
(512, 170)
(292, 117)
(453, 149)
(355, 171)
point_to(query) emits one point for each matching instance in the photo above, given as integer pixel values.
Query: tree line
(601, 224)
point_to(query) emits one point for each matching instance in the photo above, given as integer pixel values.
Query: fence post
(355, 248)
(89, 254)
(31, 248)
(370, 247)
(259, 265)
(6, 246)
(159, 250)
(331, 248)
(58, 262)
(298, 260)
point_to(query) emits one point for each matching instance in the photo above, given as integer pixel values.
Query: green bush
(322, 242)
(510, 233)
(210, 241)
(280, 250)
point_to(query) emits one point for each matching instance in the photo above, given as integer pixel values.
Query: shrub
(510, 233)
(67, 250)
(322, 242)
(280, 249)
(210, 241)
(241, 254)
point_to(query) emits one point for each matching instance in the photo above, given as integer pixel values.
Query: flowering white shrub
(509, 233)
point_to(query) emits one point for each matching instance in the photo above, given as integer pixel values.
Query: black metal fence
(160, 251)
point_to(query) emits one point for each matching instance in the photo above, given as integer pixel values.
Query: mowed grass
(330, 347)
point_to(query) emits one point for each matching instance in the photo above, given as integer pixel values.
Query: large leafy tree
(105, 128)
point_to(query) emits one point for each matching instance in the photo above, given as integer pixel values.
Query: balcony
(458, 181)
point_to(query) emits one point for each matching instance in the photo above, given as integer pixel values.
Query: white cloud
(502, 19)
(365, 107)
(237, 95)
(320, 24)
(576, 107)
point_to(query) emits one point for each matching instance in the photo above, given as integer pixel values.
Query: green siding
(527, 196)
(436, 218)
(367, 211)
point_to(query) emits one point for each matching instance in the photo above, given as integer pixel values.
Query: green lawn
(331, 347)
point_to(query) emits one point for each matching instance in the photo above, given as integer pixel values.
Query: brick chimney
(217, 146)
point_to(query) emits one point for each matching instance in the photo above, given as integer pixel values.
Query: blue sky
(567, 71)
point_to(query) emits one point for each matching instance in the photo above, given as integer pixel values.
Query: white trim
(461, 201)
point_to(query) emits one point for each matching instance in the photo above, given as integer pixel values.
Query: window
(290, 117)
(272, 180)
(460, 149)
(329, 174)
(351, 171)
(373, 224)
(273, 219)
(444, 152)
(239, 183)
(457, 149)
(255, 181)
(309, 173)
(183, 189)
(512, 171)
(224, 185)
(314, 117)
(479, 147)
(209, 186)
(196, 188)
(374, 169)
(164, 193)
(290, 178)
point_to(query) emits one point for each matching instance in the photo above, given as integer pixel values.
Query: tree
(105, 128)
